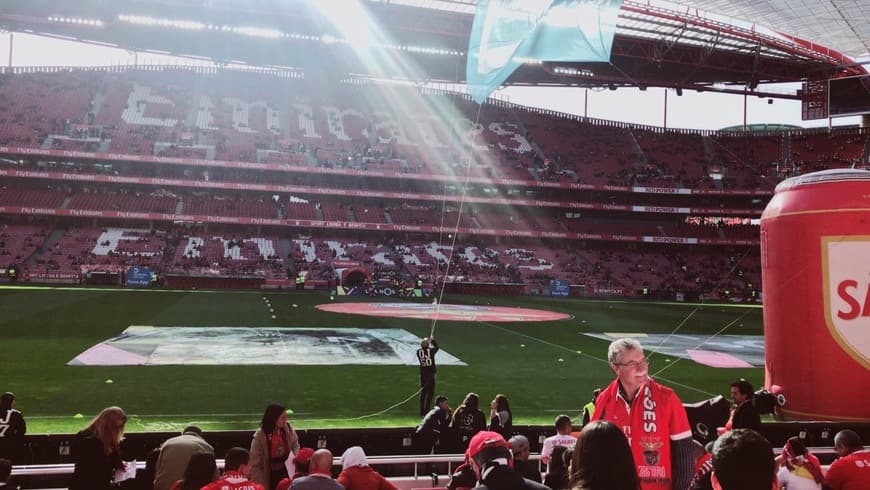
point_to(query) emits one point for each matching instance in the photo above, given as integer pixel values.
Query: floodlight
(348, 17)
(258, 32)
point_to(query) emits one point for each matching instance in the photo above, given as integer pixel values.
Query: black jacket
(12, 437)
(746, 417)
(529, 469)
(466, 423)
(435, 422)
(504, 478)
(426, 359)
(94, 469)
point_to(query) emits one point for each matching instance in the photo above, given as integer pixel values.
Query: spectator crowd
(637, 438)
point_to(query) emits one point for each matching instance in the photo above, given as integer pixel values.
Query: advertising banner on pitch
(138, 277)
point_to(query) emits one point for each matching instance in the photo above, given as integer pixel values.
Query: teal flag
(507, 33)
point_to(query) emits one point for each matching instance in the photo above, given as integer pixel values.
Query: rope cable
(468, 159)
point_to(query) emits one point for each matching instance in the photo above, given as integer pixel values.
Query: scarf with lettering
(645, 428)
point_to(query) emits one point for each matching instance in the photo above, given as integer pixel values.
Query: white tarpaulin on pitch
(147, 345)
(726, 351)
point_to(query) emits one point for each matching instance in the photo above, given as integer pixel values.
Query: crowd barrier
(422, 471)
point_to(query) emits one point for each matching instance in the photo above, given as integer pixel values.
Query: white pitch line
(593, 357)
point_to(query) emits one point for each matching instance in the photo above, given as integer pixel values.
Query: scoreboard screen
(849, 96)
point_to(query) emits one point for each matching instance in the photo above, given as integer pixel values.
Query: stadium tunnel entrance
(355, 277)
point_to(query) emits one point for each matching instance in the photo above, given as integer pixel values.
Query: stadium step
(638, 151)
(285, 247)
(47, 245)
(709, 149)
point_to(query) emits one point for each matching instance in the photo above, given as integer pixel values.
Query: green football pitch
(544, 368)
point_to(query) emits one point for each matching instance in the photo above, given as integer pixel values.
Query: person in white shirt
(563, 437)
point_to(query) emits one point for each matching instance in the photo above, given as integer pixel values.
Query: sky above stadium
(691, 110)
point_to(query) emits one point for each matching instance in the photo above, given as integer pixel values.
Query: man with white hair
(651, 416)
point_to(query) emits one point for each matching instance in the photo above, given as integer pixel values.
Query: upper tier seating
(229, 206)
(123, 201)
(243, 116)
(31, 197)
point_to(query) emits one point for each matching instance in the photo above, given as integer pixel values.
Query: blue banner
(559, 288)
(507, 33)
(138, 277)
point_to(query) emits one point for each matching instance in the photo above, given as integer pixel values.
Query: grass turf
(545, 368)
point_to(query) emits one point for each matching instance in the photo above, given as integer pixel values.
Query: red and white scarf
(642, 424)
(806, 461)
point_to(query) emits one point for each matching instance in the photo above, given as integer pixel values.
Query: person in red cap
(301, 461)
(490, 457)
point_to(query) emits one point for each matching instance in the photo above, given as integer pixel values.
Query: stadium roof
(843, 25)
(657, 43)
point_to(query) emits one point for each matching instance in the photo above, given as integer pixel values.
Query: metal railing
(415, 460)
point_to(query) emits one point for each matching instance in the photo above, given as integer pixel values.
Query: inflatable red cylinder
(815, 268)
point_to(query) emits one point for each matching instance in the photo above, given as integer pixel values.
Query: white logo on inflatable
(846, 276)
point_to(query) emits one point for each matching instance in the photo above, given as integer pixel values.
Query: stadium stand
(79, 251)
(148, 113)
(230, 255)
(19, 242)
(229, 151)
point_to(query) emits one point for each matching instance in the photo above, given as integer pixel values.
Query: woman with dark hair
(468, 419)
(557, 476)
(602, 459)
(273, 443)
(799, 469)
(97, 451)
(200, 471)
(501, 419)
